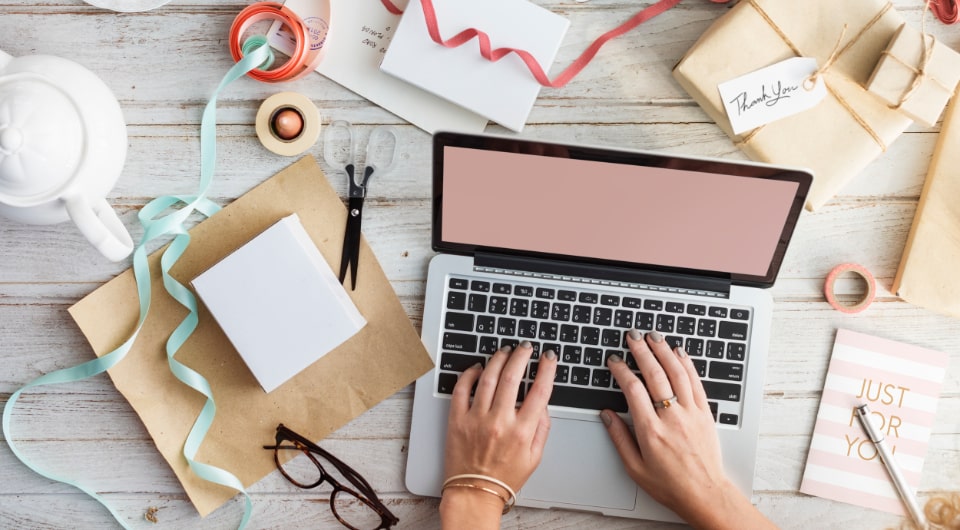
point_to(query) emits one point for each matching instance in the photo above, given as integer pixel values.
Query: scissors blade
(351, 241)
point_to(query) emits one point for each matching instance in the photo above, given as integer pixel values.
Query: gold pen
(899, 482)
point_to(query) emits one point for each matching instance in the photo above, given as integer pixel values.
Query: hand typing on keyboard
(675, 454)
(490, 442)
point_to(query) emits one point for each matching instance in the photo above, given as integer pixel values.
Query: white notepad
(503, 91)
(279, 303)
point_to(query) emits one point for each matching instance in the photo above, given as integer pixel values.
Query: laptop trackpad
(581, 466)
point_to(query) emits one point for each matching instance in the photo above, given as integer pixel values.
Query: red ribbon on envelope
(946, 10)
(493, 55)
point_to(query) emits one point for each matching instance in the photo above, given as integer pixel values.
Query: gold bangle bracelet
(506, 505)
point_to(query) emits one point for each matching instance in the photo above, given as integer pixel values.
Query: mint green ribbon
(256, 54)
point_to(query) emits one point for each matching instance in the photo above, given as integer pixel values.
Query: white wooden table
(163, 66)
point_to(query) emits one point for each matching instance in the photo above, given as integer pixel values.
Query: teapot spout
(4, 59)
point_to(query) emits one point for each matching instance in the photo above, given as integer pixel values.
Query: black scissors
(339, 152)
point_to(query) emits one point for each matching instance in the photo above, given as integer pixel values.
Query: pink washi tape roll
(859, 270)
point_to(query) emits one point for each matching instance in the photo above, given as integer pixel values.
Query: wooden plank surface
(163, 65)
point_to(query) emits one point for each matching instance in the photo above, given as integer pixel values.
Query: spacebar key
(586, 398)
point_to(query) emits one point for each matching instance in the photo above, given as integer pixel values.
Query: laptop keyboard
(584, 326)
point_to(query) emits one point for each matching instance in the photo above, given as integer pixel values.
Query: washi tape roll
(859, 270)
(308, 38)
(288, 123)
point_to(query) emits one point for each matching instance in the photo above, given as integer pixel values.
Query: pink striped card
(901, 383)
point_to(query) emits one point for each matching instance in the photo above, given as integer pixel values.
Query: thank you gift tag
(772, 93)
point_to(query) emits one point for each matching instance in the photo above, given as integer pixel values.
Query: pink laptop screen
(612, 211)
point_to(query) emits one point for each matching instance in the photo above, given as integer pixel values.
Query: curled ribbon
(308, 48)
(946, 10)
(155, 227)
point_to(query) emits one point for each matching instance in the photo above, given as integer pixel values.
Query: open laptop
(569, 247)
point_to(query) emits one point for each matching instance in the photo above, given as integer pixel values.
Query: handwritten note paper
(772, 93)
(901, 383)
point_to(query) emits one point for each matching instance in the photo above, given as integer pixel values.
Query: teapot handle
(101, 226)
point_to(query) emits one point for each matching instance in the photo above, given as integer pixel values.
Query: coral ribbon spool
(308, 48)
(830, 285)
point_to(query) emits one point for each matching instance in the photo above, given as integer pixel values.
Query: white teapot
(63, 142)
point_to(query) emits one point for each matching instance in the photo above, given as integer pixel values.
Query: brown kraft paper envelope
(927, 275)
(380, 359)
(844, 132)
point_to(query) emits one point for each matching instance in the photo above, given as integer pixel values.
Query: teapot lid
(42, 137)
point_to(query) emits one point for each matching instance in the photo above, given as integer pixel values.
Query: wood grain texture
(163, 65)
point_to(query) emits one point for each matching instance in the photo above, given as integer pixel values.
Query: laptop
(569, 247)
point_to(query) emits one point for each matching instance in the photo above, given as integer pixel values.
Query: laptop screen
(663, 212)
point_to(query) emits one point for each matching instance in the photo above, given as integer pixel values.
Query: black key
(498, 305)
(489, 345)
(715, 349)
(547, 346)
(674, 341)
(602, 316)
(582, 314)
(540, 309)
(456, 300)
(580, 375)
(631, 362)
(446, 382)
(569, 333)
(694, 347)
(519, 307)
(736, 351)
(600, 378)
(477, 285)
(527, 329)
(726, 371)
(477, 303)
(567, 296)
(521, 392)
(506, 326)
(590, 335)
(623, 319)
(460, 342)
(548, 331)
(611, 338)
(588, 398)
(486, 324)
(729, 419)
(543, 292)
(695, 309)
(740, 314)
(674, 307)
(713, 409)
(502, 288)
(458, 321)
(457, 283)
(523, 290)
(560, 312)
(562, 375)
(686, 325)
(722, 391)
(509, 343)
(718, 312)
(733, 330)
(644, 321)
(532, 372)
(593, 356)
(536, 349)
(458, 362)
(653, 305)
(706, 327)
(701, 366)
(632, 303)
(665, 323)
(609, 299)
(571, 354)
(589, 298)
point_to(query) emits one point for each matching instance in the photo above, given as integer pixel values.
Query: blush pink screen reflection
(618, 212)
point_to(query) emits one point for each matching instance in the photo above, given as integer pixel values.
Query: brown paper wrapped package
(382, 358)
(927, 275)
(844, 132)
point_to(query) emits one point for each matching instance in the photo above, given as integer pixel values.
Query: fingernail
(526, 344)
(550, 354)
(506, 348)
(655, 337)
(605, 418)
(635, 335)
(478, 365)
(614, 359)
(681, 352)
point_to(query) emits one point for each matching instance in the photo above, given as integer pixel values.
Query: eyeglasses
(357, 509)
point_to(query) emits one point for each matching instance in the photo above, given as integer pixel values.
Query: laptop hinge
(601, 275)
